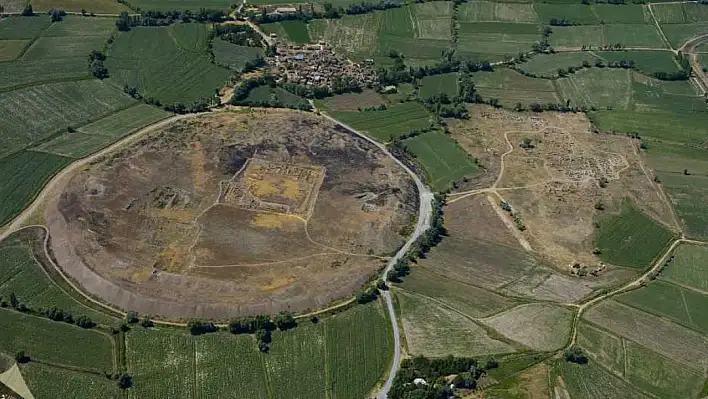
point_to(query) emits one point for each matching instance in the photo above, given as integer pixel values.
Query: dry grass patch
(538, 326)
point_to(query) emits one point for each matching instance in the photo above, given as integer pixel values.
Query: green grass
(645, 61)
(352, 101)
(97, 135)
(673, 96)
(34, 113)
(63, 47)
(591, 381)
(547, 65)
(233, 55)
(684, 306)
(689, 268)
(295, 31)
(622, 14)
(22, 27)
(91, 6)
(678, 34)
(11, 49)
(628, 35)
(25, 173)
(511, 87)
(22, 275)
(688, 194)
(579, 14)
(684, 127)
(18, 74)
(47, 382)
(191, 5)
(487, 11)
(680, 13)
(170, 63)
(597, 87)
(631, 239)
(438, 84)
(76, 26)
(359, 350)
(433, 330)
(55, 342)
(443, 160)
(266, 93)
(465, 298)
(602, 346)
(492, 41)
(385, 125)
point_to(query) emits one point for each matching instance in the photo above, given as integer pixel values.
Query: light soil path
(701, 79)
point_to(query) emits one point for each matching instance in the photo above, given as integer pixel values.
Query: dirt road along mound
(232, 214)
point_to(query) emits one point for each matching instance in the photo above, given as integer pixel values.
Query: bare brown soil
(231, 214)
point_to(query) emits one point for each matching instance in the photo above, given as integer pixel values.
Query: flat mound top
(232, 213)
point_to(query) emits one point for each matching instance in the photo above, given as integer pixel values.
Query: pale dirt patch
(538, 326)
(12, 378)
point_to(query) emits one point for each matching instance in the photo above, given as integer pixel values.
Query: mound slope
(230, 214)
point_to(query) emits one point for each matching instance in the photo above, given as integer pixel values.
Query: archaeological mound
(232, 214)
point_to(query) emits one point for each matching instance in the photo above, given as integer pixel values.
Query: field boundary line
(686, 287)
(685, 307)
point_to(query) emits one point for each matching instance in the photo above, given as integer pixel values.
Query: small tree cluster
(56, 15)
(575, 354)
(198, 327)
(98, 69)
(367, 294)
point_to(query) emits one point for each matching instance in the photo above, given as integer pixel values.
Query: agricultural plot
(629, 35)
(540, 327)
(678, 34)
(645, 61)
(97, 135)
(688, 192)
(602, 346)
(669, 339)
(631, 239)
(62, 47)
(547, 65)
(597, 88)
(47, 382)
(674, 96)
(622, 14)
(684, 306)
(61, 105)
(511, 87)
(354, 35)
(493, 41)
(590, 381)
(352, 101)
(15, 28)
(689, 267)
(167, 63)
(274, 95)
(22, 275)
(19, 74)
(11, 49)
(433, 20)
(233, 55)
(295, 31)
(545, 284)
(433, 330)
(183, 5)
(438, 84)
(464, 298)
(680, 13)
(490, 11)
(443, 160)
(386, 125)
(685, 127)
(55, 342)
(575, 14)
(359, 350)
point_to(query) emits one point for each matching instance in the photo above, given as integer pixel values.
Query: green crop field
(91, 6)
(25, 173)
(22, 27)
(684, 127)
(678, 34)
(680, 13)
(55, 342)
(645, 61)
(591, 381)
(385, 125)
(631, 239)
(688, 194)
(342, 355)
(62, 47)
(22, 275)
(18, 74)
(433, 330)
(433, 20)
(511, 87)
(689, 268)
(443, 160)
(295, 31)
(578, 14)
(684, 306)
(47, 382)
(629, 35)
(547, 65)
(191, 5)
(489, 11)
(438, 84)
(597, 88)
(622, 14)
(170, 63)
(97, 135)
(602, 346)
(232, 55)
(492, 41)
(465, 298)
(11, 49)
(60, 104)
(268, 94)
(76, 26)
(353, 101)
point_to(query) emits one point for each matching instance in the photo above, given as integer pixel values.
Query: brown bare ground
(231, 214)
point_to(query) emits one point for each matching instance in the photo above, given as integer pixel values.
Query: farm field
(294, 31)
(493, 41)
(97, 135)
(591, 381)
(540, 327)
(687, 193)
(22, 275)
(631, 239)
(438, 84)
(680, 13)
(386, 125)
(433, 20)
(352, 101)
(597, 88)
(91, 6)
(689, 267)
(26, 173)
(490, 11)
(424, 321)
(47, 382)
(342, 355)
(678, 34)
(685, 127)
(645, 61)
(547, 65)
(169, 64)
(443, 160)
(511, 87)
(11, 49)
(602, 346)
(266, 94)
(636, 35)
(55, 342)
(183, 5)
(464, 298)
(684, 306)
(233, 55)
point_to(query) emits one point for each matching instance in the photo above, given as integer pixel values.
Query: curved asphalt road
(424, 214)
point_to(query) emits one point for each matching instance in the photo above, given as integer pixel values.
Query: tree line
(329, 12)
(53, 313)
(126, 21)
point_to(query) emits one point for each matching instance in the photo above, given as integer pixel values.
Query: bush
(125, 381)
(575, 354)
(131, 317)
(197, 327)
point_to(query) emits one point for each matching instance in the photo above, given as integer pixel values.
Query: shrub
(575, 354)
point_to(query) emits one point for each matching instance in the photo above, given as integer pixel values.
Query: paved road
(425, 211)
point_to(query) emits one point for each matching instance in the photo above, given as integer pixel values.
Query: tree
(131, 317)
(28, 11)
(13, 300)
(197, 327)
(575, 354)
(125, 381)
(146, 322)
(84, 322)
(392, 276)
(285, 320)
(21, 357)
(123, 22)
(98, 69)
(56, 15)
